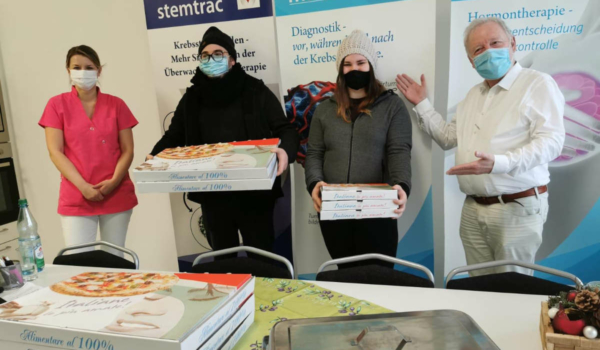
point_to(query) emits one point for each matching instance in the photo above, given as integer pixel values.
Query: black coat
(237, 107)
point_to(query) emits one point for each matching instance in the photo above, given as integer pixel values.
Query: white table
(510, 320)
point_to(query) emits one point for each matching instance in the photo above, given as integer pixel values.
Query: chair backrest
(526, 265)
(382, 257)
(134, 256)
(256, 251)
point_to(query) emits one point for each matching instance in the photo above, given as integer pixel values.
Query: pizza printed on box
(114, 284)
(194, 152)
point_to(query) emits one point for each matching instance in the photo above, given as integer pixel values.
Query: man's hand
(413, 92)
(316, 196)
(91, 194)
(401, 201)
(106, 187)
(282, 158)
(484, 165)
(148, 157)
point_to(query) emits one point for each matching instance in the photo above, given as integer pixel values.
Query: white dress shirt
(519, 120)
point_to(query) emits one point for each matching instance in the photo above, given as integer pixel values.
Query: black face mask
(357, 80)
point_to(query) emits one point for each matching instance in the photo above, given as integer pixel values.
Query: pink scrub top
(92, 145)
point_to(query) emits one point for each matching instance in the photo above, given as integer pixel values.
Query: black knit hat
(214, 36)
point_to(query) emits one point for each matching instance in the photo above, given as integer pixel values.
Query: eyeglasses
(217, 56)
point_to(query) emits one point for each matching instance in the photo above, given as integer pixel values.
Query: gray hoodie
(373, 149)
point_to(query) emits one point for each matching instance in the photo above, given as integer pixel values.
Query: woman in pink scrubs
(89, 137)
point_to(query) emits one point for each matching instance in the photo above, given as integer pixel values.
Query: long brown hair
(84, 51)
(342, 97)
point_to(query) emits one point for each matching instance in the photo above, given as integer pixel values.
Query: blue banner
(177, 13)
(295, 7)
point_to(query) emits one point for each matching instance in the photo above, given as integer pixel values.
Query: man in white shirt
(506, 130)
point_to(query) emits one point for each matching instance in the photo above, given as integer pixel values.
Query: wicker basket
(553, 341)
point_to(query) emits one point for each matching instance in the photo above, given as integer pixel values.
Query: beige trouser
(510, 231)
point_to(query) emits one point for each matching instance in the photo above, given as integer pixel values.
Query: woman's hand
(91, 194)
(282, 158)
(401, 201)
(107, 186)
(316, 196)
(148, 157)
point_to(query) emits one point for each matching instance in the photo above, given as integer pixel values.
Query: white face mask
(84, 79)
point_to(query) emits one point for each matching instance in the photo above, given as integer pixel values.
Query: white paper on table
(13, 294)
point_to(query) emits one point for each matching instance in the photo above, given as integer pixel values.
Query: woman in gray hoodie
(362, 134)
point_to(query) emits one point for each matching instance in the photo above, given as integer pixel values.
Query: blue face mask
(493, 64)
(213, 68)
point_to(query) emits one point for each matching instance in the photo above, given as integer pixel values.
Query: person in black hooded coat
(225, 104)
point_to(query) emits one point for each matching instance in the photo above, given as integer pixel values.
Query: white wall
(35, 36)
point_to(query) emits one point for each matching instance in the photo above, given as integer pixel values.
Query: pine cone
(587, 301)
(596, 319)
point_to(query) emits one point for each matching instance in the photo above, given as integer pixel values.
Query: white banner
(175, 30)
(308, 34)
(561, 38)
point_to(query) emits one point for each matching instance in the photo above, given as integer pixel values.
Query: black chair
(97, 258)
(511, 282)
(246, 265)
(375, 274)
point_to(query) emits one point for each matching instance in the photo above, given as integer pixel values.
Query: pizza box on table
(224, 339)
(353, 192)
(133, 310)
(222, 161)
(238, 333)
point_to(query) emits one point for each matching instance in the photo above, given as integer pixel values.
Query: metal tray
(424, 330)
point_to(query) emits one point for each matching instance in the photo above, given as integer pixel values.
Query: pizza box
(210, 185)
(342, 192)
(359, 204)
(184, 316)
(358, 214)
(226, 337)
(238, 333)
(221, 336)
(223, 161)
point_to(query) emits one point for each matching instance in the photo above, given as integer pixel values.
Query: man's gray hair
(480, 21)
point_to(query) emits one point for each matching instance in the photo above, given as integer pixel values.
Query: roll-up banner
(561, 38)
(175, 30)
(308, 35)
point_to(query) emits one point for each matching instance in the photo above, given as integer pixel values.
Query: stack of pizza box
(222, 167)
(358, 201)
(131, 310)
